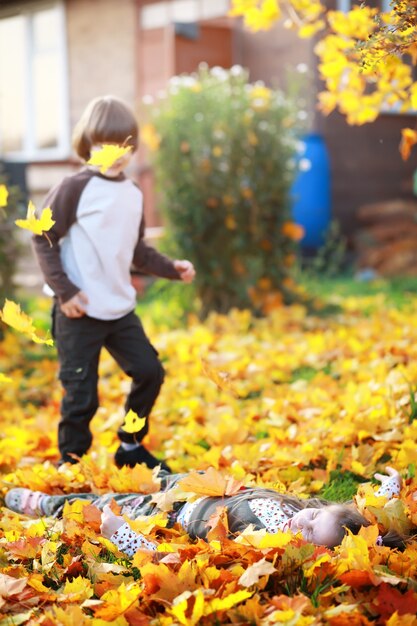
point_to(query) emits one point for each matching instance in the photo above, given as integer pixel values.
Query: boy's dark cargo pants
(79, 342)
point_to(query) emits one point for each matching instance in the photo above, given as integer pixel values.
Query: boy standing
(97, 237)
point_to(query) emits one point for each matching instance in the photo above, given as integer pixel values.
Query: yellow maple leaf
(107, 156)
(145, 523)
(4, 378)
(69, 616)
(180, 607)
(12, 315)
(4, 194)
(210, 483)
(118, 601)
(37, 226)
(76, 590)
(133, 423)
(222, 604)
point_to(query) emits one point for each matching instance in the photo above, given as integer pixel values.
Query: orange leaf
(218, 524)
(117, 601)
(293, 231)
(408, 140)
(391, 600)
(92, 517)
(357, 578)
(296, 603)
(164, 584)
(25, 548)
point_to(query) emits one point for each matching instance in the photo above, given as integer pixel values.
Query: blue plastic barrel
(311, 191)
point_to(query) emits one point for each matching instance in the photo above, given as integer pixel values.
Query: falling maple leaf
(38, 226)
(107, 156)
(408, 140)
(12, 315)
(133, 423)
(4, 194)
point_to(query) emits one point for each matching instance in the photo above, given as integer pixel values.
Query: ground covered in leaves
(310, 404)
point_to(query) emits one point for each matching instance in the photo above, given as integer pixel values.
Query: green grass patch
(341, 487)
(397, 291)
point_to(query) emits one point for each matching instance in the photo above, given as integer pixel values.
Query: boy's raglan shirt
(97, 236)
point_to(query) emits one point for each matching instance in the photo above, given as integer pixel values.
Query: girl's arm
(390, 483)
(114, 527)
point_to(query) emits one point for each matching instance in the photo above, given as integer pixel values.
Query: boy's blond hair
(106, 119)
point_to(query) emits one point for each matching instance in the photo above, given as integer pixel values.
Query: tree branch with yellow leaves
(365, 56)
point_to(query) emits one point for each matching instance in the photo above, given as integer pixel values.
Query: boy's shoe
(25, 501)
(138, 455)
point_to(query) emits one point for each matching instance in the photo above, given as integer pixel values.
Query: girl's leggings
(132, 504)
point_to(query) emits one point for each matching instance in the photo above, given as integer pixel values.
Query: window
(34, 119)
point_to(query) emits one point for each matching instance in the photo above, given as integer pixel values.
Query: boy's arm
(63, 201)
(149, 261)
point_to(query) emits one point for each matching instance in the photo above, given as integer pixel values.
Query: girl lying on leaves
(319, 522)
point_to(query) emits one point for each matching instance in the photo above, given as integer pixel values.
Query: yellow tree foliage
(366, 56)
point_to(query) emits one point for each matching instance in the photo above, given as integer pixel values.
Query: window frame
(30, 152)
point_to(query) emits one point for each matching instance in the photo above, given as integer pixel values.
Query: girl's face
(319, 526)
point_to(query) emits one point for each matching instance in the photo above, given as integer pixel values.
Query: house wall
(271, 55)
(366, 164)
(102, 46)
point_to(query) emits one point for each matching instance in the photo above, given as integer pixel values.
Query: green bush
(224, 161)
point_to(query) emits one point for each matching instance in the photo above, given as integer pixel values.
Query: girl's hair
(105, 120)
(349, 518)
